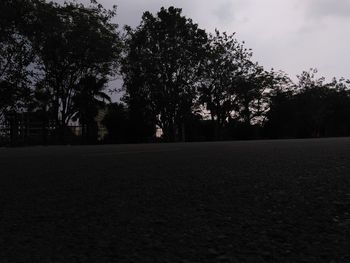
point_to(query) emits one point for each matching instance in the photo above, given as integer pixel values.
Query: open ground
(244, 201)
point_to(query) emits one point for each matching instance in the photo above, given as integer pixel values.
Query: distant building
(159, 132)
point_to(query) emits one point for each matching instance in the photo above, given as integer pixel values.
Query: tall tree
(225, 59)
(162, 65)
(117, 123)
(16, 55)
(252, 87)
(90, 97)
(73, 42)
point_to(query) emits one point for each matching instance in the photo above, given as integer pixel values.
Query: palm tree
(90, 97)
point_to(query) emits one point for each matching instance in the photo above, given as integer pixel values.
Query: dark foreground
(259, 201)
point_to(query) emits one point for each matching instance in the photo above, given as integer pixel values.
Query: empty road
(244, 201)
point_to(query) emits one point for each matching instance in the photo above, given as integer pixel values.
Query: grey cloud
(330, 8)
(224, 12)
(285, 34)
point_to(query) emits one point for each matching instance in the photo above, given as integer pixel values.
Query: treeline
(57, 61)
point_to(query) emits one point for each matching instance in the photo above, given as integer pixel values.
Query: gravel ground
(254, 201)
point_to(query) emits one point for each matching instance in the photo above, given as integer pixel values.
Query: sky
(288, 35)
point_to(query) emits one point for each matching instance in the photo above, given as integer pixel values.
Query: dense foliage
(57, 59)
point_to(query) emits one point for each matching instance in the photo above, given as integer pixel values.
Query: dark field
(258, 201)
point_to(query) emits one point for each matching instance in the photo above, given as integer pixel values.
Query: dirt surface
(256, 201)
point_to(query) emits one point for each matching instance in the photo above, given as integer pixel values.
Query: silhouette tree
(89, 98)
(313, 108)
(162, 65)
(16, 55)
(278, 118)
(117, 123)
(252, 87)
(73, 42)
(217, 92)
(281, 115)
(338, 110)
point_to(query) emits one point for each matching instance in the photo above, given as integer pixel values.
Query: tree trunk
(169, 133)
(183, 133)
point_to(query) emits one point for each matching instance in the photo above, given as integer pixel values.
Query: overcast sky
(290, 35)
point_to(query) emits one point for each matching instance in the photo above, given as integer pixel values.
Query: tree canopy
(163, 66)
(50, 50)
